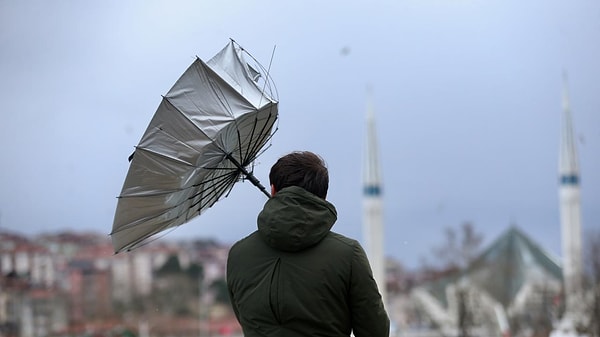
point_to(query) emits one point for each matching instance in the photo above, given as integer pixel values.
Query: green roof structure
(503, 269)
(510, 262)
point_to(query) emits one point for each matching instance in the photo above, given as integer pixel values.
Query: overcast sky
(467, 96)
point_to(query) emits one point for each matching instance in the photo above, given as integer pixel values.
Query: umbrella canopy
(206, 132)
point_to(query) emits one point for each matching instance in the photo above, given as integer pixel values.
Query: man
(293, 276)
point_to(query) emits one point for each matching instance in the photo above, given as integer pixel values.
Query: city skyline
(467, 94)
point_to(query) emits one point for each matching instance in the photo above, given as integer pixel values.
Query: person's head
(303, 169)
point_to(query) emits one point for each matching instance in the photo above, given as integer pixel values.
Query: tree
(219, 287)
(171, 266)
(195, 271)
(593, 271)
(176, 289)
(460, 247)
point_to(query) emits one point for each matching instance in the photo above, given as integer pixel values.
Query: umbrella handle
(248, 175)
(256, 183)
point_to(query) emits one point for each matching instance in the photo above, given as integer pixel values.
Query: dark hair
(303, 169)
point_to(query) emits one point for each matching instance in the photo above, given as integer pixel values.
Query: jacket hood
(295, 219)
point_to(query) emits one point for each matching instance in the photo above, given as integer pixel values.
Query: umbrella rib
(223, 180)
(151, 237)
(265, 136)
(162, 155)
(218, 94)
(219, 178)
(172, 136)
(252, 146)
(239, 139)
(257, 145)
(140, 221)
(228, 155)
(268, 79)
(245, 160)
(226, 103)
(203, 203)
(267, 73)
(220, 186)
(228, 109)
(216, 89)
(178, 189)
(168, 100)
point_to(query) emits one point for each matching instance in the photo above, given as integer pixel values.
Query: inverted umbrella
(205, 135)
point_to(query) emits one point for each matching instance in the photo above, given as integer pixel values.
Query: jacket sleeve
(369, 318)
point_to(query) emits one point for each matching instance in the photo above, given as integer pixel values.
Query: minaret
(373, 205)
(570, 212)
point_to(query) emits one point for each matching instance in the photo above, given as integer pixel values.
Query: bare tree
(593, 271)
(459, 248)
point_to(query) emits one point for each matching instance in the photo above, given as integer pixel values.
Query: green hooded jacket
(294, 277)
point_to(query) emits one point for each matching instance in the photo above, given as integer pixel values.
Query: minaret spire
(372, 172)
(372, 201)
(570, 214)
(569, 164)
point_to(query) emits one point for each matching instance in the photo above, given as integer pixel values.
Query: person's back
(293, 276)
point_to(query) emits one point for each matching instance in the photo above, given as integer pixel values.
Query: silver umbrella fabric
(206, 132)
